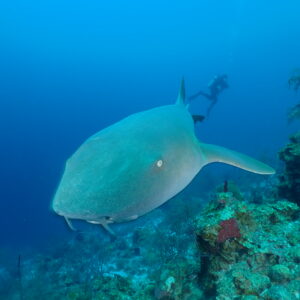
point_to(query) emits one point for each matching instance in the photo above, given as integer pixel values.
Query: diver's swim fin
(198, 118)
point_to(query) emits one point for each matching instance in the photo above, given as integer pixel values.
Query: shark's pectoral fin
(108, 229)
(70, 224)
(104, 223)
(214, 153)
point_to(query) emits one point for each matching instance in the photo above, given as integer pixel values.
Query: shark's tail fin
(181, 94)
(214, 153)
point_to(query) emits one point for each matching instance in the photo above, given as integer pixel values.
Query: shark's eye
(159, 163)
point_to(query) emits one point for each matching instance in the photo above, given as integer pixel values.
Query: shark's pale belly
(187, 173)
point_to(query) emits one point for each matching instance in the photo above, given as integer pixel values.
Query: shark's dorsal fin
(181, 94)
(213, 153)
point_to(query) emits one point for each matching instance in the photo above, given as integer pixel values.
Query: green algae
(280, 273)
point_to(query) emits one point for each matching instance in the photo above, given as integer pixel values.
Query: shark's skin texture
(137, 164)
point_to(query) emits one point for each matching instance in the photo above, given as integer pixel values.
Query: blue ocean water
(70, 68)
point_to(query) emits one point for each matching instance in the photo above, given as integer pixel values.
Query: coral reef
(158, 260)
(294, 113)
(231, 249)
(252, 250)
(294, 80)
(289, 186)
(229, 229)
(294, 84)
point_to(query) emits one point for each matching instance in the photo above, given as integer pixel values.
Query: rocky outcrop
(289, 186)
(252, 251)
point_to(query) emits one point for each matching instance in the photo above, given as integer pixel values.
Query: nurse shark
(135, 165)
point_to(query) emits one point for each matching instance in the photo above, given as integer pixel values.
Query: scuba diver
(216, 86)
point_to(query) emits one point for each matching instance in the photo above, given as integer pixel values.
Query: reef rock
(289, 186)
(249, 250)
